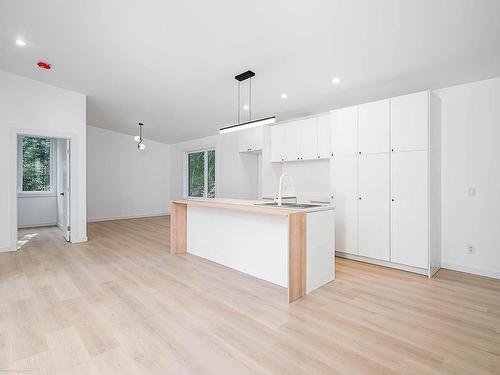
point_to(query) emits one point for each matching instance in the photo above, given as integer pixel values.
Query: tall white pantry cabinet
(385, 182)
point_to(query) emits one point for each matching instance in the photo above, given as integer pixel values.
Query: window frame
(20, 169)
(205, 171)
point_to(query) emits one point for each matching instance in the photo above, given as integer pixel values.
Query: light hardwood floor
(122, 304)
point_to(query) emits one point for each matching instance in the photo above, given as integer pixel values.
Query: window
(35, 165)
(201, 174)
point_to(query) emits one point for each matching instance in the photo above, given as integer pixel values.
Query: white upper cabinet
(409, 209)
(373, 209)
(292, 145)
(278, 143)
(344, 123)
(373, 127)
(250, 140)
(324, 136)
(410, 122)
(308, 139)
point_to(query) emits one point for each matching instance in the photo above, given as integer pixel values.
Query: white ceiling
(170, 64)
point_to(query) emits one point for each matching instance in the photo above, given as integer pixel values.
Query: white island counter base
(293, 248)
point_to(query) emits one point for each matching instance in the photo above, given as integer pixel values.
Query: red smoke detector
(43, 65)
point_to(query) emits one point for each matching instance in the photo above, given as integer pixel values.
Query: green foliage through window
(201, 172)
(211, 174)
(36, 164)
(196, 171)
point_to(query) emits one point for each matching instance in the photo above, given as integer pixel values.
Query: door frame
(14, 133)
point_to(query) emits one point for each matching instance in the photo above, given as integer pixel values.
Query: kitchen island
(292, 247)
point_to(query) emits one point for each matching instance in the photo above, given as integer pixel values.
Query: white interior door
(344, 186)
(373, 127)
(374, 206)
(63, 201)
(409, 209)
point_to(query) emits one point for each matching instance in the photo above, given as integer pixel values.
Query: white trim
(73, 137)
(472, 270)
(37, 194)
(125, 217)
(7, 249)
(37, 225)
(402, 267)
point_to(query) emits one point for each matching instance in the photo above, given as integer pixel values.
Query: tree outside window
(36, 164)
(201, 174)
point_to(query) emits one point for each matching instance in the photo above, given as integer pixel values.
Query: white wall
(35, 210)
(31, 107)
(470, 133)
(310, 180)
(123, 182)
(236, 173)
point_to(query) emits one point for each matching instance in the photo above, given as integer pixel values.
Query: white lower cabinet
(344, 181)
(410, 208)
(382, 207)
(394, 158)
(373, 206)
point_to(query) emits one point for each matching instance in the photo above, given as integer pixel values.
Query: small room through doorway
(43, 184)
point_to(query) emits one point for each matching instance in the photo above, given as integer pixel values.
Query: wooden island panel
(178, 228)
(296, 256)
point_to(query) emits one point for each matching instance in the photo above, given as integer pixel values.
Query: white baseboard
(124, 217)
(475, 271)
(6, 249)
(79, 240)
(402, 267)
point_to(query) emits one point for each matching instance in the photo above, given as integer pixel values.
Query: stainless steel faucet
(280, 189)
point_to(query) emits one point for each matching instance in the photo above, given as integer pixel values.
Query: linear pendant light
(252, 123)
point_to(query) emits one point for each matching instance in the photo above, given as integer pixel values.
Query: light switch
(472, 192)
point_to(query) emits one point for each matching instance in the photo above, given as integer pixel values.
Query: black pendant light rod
(249, 124)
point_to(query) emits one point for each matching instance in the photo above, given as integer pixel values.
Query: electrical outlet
(471, 250)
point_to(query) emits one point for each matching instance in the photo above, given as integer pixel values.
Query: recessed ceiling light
(284, 96)
(335, 80)
(246, 107)
(20, 42)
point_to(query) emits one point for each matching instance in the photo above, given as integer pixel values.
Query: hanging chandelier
(139, 139)
(251, 123)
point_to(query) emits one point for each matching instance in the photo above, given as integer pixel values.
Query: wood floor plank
(121, 304)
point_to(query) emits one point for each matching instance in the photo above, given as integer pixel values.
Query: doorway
(43, 184)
